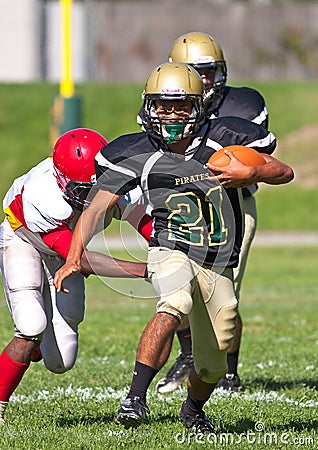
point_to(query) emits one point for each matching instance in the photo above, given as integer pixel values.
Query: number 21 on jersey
(188, 219)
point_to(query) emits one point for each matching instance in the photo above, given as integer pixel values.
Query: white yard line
(101, 394)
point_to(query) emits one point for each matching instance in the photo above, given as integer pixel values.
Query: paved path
(272, 238)
(262, 239)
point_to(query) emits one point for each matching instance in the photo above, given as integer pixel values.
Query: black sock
(232, 361)
(184, 337)
(143, 376)
(192, 406)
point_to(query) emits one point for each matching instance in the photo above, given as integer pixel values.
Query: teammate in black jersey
(197, 228)
(202, 52)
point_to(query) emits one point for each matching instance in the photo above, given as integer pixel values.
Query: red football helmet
(73, 162)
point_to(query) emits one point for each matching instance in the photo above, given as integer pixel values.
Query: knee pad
(28, 313)
(57, 366)
(60, 359)
(22, 267)
(224, 324)
(212, 377)
(215, 371)
(71, 306)
(23, 275)
(171, 274)
(178, 304)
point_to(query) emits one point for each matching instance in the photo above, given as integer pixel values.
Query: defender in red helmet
(73, 159)
(41, 210)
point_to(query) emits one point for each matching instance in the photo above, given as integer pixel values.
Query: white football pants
(38, 311)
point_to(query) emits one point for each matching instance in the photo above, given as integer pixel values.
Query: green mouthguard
(173, 130)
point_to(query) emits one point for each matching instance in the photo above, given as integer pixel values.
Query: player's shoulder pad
(124, 147)
(234, 123)
(244, 92)
(229, 128)
(242, 102)
(125, 139)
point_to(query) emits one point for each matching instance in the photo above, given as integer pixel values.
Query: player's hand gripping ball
(246, 155)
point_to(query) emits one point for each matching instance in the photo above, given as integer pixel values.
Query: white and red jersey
(37, 212)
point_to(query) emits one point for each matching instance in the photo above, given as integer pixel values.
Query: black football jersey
(190, 212)
(240, 102)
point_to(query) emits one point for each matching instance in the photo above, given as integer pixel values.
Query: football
(246, 155)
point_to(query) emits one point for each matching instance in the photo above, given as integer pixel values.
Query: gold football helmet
(201, 51)
(174, 83)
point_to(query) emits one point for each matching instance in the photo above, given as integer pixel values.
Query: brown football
(246, 155)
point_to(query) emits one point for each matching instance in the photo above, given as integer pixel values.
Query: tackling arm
(106, 266)
(83, 233)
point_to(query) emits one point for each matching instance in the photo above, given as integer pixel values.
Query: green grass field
(278, 369)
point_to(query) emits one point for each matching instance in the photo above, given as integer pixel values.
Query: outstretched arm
(106, 266)
(83, 233)
(237, 174)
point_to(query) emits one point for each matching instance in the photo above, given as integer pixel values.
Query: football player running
(197, 229)
(203, 53)
(41, 210)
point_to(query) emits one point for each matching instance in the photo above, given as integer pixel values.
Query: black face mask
(76, 193)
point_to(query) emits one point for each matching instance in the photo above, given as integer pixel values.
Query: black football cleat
(198, 423)
(176, 375)
(230, 382)
(132, 412)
